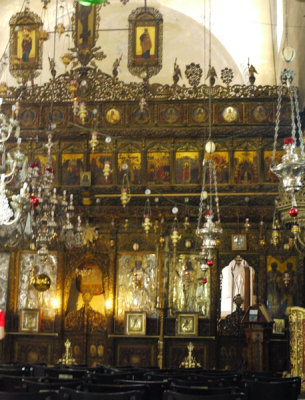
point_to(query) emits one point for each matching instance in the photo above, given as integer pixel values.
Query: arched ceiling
(241, 31)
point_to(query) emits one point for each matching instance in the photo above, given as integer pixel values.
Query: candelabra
(13, 166)
(51, 215)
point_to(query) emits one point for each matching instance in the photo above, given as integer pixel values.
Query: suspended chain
(201, 196)
(299, 127)
(216, 193)
(293, 126)
(277, 123)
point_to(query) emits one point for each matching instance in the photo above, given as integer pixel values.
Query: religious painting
(4, 274)
(85, 33)
(113, 116)
(71, 167)
(29, 320)
(158, 167)
(85, 178)
(42, 161)
(137, 284)
(189, 289)
(260, 113)
(282, 284)
(268, 175)
(170, 114)
(30, 267)
(187, 167)
(221, 162)
(199, 114)
(187, 324)
(87, 287)
(278, 327)
(27, 118)
(133, 163)
(25, 46)
(57, 116)
(145, 42)
(245, 167)
(230, 114)
(141, 116)
(101, 168)
(135, 323)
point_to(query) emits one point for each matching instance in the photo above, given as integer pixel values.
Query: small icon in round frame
(230, 114)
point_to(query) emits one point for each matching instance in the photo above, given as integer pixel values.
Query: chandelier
(12, 170)
(289, 214)
(51, 215)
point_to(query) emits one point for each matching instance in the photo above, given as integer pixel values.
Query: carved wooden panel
(136, 352)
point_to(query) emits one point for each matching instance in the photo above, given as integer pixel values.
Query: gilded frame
(187, 324)
(135, 323)
(29, 320)
(25, 46)
(146, 37)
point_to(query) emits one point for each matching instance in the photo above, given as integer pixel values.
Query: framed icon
(135, 323)
(187, 324)
(239, 241)
(230, 114)
(85, 178)
(29, 320)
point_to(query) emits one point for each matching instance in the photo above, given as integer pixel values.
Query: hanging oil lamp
(147, 224)
(66, 59)
(175, 235)
(107, 169)
(82, 112)
(72, 86)
(93, 142)
(125, 188)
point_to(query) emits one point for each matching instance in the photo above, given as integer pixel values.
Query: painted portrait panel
(71, 167)
(57, 116)
(137, 284)
(230, 114)
(268, 175)
(27, 118)
(158, 167)
(26, 44)
(42, 161)
(133, 160)
(85, 26)
(187, 167)
(281, 285)
(97, 164)
(145, 42)
(113, 116)
(199, 114)
(221, 162)
(245, 167)
(141, 116)
(170, 114)
(260, 113)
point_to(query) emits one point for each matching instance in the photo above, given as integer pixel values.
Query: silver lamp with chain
(290, 171)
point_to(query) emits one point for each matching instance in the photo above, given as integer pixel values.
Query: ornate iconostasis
(114, 198)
